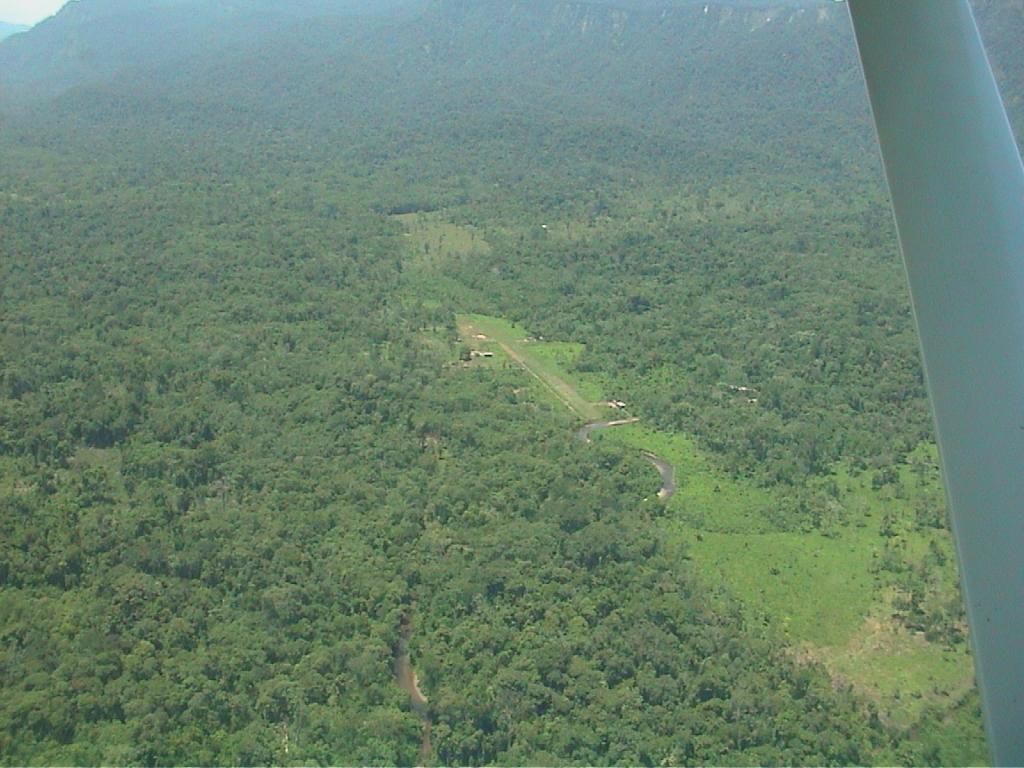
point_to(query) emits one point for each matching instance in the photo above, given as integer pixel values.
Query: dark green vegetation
(238, 445)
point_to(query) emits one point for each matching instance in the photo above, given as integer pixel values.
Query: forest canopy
(251, 453)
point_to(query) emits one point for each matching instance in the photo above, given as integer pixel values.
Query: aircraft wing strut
(957, 187)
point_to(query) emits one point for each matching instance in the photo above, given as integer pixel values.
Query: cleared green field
(822, 589)
(431, 239)
(905, 672)
(815, 588)
(826, 593)
(707, 498)
(545, 367)
(559, 356)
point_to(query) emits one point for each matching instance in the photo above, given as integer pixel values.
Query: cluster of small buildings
(744, 390)
(749, 392)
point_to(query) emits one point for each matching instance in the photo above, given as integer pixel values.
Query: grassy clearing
(902, 671)
(503, 336)
(560, 356)
(431, 239)
(824, 593)
(816, 589)
(707, 498)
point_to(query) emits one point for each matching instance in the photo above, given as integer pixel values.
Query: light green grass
(823, 593)
(561, 356)
(431, 239)
(905, 673)
(816, 589)
(505, 338)
(707, 499)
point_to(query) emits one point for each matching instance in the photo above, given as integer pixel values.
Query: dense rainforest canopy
(250, 437)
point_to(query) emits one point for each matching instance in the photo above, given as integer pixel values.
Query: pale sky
(28, 11)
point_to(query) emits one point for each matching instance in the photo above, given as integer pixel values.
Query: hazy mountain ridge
(6, 30)
(650, 66)
(92, 42)
(678, 64)
(89, 42)
(643, 56)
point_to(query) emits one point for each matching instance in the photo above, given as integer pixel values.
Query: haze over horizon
(28, 12)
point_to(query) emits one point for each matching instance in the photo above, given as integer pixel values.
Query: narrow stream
(410, 684)
(405, 675)
(583, 433)
(668, 475)
(665, 469)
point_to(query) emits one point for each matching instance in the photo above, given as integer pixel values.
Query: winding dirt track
(567, 394)
(405, 675)
(668, 475)
(665, 469)
(410, 685)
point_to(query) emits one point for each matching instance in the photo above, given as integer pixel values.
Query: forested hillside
(301, 309)
(95, 41)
